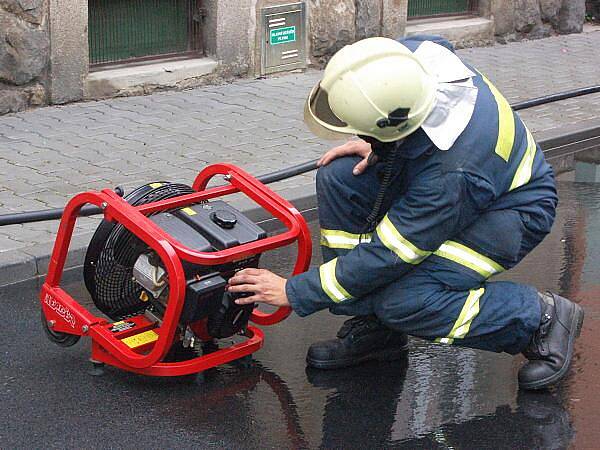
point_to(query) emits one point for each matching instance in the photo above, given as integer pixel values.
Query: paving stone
(7, 244)
(11, 202)
(24, 188)
(24, 234)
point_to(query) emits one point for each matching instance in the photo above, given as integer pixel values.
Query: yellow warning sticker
(189, 211)
(138, 340)
(118, 323)
(155, 185)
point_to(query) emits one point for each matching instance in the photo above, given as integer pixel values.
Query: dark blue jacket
(493, 165)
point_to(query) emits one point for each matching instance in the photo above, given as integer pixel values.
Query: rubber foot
(97, 369)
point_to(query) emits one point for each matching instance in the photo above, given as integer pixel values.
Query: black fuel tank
(221, 224)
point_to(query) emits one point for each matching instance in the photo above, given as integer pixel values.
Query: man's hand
(353, 147)
(266, 286)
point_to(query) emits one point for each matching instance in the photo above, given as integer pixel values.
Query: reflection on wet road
(439, 397)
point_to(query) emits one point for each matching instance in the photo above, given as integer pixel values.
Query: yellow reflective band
(523, 173)
(189, 211)
(506, 123)
(398, 244)
(329, 282)
(137, 340)
(467, 315)
(467, 257)
(343, 239)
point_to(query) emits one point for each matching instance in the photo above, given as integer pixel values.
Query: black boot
(551, 348)
(361, 339)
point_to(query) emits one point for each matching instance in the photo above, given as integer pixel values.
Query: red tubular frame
(69, 316)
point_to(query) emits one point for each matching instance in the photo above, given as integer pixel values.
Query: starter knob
(224, 219)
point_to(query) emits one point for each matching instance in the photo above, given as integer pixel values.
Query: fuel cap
(225, 219)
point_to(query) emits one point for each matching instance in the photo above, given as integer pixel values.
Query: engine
(125, 277)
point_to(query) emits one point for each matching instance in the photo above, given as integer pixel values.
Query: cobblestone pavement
(48, 154)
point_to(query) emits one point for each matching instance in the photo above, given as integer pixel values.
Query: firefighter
(442, 187)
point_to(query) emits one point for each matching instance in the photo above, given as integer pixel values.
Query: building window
(133, 30)
(433, 8)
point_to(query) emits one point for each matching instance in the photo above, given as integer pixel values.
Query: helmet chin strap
(386, 152)
(381, 150)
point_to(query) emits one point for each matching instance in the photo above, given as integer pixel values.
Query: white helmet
(375, 87)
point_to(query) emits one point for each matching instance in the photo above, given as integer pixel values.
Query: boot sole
(576, 325)
(381, 355)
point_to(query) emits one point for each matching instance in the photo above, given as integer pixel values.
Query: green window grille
(126, 30)
(430, 8)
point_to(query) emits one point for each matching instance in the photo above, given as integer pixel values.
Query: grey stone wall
(368, 18)
(331, 26)
(24, 54)
(517, 19)
(335, 24)
(394, 17)
(69, 53)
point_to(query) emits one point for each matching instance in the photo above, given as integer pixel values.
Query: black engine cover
(205, 227)
(229, 318)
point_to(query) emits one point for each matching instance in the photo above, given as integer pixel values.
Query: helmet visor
(321, 120)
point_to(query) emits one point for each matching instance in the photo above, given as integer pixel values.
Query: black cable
(555, 97)
(45, 214)
(386, 179)
(50, 214)
(89, 210)
(289, 172)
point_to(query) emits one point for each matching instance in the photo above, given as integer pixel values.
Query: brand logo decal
(60, 309)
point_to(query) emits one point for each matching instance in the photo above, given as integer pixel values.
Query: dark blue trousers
(430, 299)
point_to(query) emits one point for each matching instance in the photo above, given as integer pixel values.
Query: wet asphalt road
(439, 397)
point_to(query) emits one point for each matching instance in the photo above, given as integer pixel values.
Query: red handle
(276, 205)
(121, 211)
(171, 251)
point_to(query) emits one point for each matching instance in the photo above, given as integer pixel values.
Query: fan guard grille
(113, 250)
